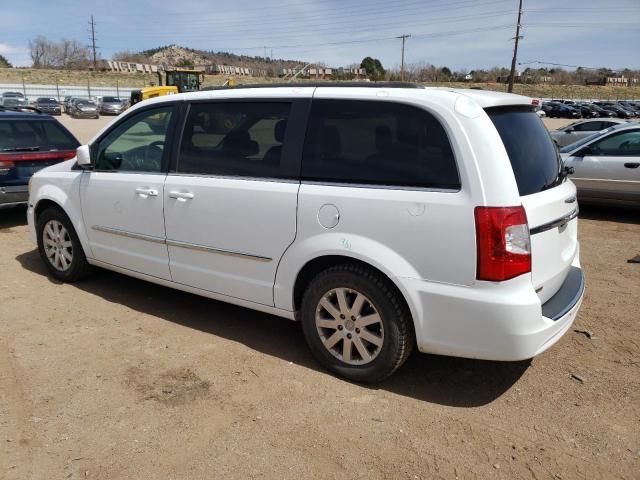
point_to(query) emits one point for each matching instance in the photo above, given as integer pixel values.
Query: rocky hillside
(174, 55)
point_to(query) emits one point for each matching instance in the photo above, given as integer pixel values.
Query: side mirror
(83, 155)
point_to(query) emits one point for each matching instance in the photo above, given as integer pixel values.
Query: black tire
(399, 335)
(78, 268)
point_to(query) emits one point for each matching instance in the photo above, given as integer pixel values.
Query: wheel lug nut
(348, 335)
(342, 316)
(357, 330)
(340, 327)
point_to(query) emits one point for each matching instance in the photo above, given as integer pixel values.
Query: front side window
(234, 139)
(137, 144)
(624, 144)
(377, 143)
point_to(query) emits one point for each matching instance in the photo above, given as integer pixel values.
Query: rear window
(35, 134)
(534, 157)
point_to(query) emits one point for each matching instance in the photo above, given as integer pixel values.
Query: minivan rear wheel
(356, 323)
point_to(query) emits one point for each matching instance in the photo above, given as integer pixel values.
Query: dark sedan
(29, 141)
(83, 108)
(560, 110)
(618, 110)
(48, 105)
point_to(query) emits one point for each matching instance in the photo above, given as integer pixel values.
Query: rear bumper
(14, 195)
(493, 321)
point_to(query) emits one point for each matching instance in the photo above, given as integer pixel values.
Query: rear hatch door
(547, 197)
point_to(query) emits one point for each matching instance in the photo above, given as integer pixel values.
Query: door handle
(632, 165)
(183, 196)
(147, 192)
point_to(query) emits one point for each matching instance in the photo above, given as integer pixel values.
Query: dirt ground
(118, 378)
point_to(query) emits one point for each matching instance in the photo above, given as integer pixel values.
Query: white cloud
(18, 55)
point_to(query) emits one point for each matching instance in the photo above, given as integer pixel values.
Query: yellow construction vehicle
(176, 80)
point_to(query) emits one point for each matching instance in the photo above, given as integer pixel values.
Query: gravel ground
(118, 378)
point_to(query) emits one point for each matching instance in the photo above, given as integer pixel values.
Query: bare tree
(70, 54)
(41, 51)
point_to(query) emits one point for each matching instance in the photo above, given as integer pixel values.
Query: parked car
(631, 106)
(585, 110)
(602, 113)
(48, 105)
(29, 141)
(607, 165)
(12, 102)
(379, 216)
(581, 129)
(66, 103)
(112, 106)
(82, 108)
(617, 110)
(560, 110)
(12, 99)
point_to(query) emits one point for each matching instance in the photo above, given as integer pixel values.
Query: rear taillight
(504, 245)
(35, 156)
(5, 166)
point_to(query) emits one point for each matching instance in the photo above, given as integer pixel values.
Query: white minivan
(381, 216)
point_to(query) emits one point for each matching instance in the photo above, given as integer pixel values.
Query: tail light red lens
(35, 156)
(503, 242)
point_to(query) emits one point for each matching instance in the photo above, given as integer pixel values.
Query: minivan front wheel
(59, 246)
(356, 323)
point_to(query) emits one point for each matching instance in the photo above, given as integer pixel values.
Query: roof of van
(489, 98)
(483, 98)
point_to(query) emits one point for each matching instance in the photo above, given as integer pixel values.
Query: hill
(177, 56)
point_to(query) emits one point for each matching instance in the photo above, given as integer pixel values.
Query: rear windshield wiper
(20, 149)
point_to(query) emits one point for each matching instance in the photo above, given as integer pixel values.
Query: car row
(574, 109)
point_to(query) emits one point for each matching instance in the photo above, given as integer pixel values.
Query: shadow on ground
(610, 214)
(442, 380)
(12, 217)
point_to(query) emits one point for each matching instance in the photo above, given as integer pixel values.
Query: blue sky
(457, 33)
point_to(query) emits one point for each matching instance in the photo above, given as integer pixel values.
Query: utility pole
(404, 36)
(515, 50)
(93, 43)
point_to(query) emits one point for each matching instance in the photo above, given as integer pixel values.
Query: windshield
(185, 81)
(46, 100)
(86, 103)
(533, 155)
(110, 99)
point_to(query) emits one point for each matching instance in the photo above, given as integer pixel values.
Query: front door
(230, 206)
(610, 169)
(122, 197)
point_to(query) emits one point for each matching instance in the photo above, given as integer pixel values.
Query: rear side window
(378, 143)
(533, 155)
(234, 139)
(42, 135)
